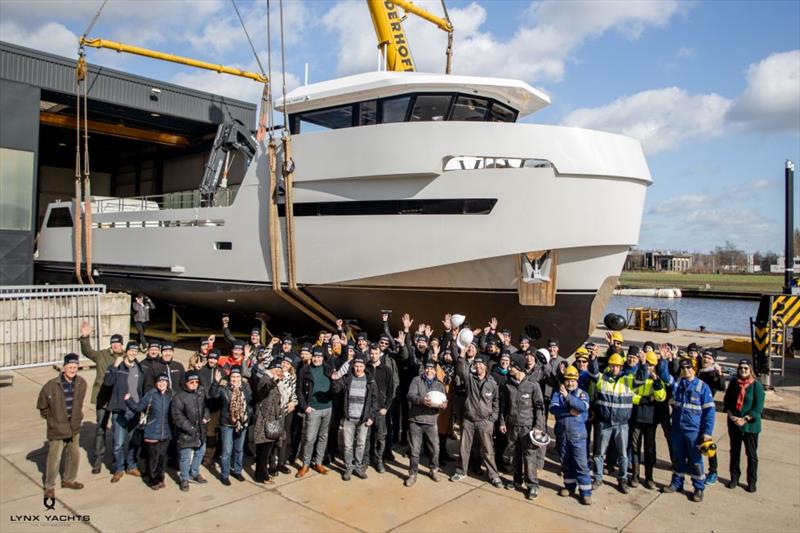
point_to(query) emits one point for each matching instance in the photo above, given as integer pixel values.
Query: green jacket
(751, 408)
(103, 359)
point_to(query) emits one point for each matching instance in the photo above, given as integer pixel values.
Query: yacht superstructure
(415, 192)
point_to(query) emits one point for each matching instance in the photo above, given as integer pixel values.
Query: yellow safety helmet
(581, 351)
(616, 359)
(652, 358)
(708, 448)
(571, 372)
(617, 336)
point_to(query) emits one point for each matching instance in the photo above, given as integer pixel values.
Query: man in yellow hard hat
(651, 391)
(570, 405)
(613, 398)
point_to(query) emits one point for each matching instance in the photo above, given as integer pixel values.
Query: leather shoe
(117, 476)
(302, 472)
(74, 485)
(96, 469)
(199, 479)
(321, 469)
(134, 472)
(284, 470)
(49, 493)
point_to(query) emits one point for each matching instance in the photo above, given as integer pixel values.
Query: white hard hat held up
(464, 338)
(457, 320)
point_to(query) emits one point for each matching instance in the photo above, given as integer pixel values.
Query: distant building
(752, 267)
(668, 261)
(780, 265)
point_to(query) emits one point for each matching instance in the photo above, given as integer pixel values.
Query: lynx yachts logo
(48, 519)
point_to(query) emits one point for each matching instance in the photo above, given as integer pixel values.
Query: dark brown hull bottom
(569, 321)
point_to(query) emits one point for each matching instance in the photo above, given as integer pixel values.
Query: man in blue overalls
(692, 423)
(570, 406)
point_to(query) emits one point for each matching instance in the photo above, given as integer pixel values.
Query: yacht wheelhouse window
(429, 107)
(470, 109)
(501, 113)
(326, 119)
(368, 113)
(394, 109)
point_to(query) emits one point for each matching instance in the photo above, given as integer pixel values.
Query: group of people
(285, 403)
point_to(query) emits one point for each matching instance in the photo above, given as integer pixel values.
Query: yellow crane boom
(392, 37)
(222, 69)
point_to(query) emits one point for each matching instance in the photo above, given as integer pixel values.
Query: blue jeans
(606, 434)
(190, 461)
(124, 424)
(232, 442)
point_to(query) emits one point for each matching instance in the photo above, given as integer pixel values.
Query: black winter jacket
(483, 396)
(117, 380)
(522, 405)
(370, 402)
(188, 414)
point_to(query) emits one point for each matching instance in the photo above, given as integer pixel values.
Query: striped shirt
(69, 394)
(357, 398)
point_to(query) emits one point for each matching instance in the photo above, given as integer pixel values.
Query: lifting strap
(80, 74)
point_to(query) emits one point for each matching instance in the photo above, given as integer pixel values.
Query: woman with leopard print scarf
(235, 399)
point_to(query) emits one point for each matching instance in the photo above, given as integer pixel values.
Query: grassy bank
(746, 283)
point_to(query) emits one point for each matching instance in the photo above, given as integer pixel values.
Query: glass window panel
(501, 113)
(16, 184)
(470, 109)
(430, 107)
(368, 113)
(326, 119)
(394, 109)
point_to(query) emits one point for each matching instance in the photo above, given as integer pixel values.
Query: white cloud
(50, 37)
(660, 119)
(538, 50)
(679, 204)
(685, 52)
(771, 100)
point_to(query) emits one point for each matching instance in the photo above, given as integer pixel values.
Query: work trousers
(315, 436)
(355, 440)
(417, 434)
(211, 435)
(376, 444)
(501, 448)
(68, 448)
(103, 417)
(156, 460)
(688, 459)
(750, 440)
(574, 466)
(526, 457)
(643, 434)
(605, 435)
(484, 430)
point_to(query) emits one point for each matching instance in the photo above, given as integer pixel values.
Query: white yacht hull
(586, 204)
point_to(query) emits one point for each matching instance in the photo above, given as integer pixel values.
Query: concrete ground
(380, 503)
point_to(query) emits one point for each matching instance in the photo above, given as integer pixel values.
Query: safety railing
(173, 200)
(39, 324)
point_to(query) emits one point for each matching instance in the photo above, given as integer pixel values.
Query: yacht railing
(173, 200)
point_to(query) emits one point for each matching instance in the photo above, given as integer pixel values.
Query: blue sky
(711, 89)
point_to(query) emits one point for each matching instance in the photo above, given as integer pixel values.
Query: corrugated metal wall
(56, 73)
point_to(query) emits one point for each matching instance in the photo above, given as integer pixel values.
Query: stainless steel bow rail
(39, 324)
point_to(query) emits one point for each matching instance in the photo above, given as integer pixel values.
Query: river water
(724, 316)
